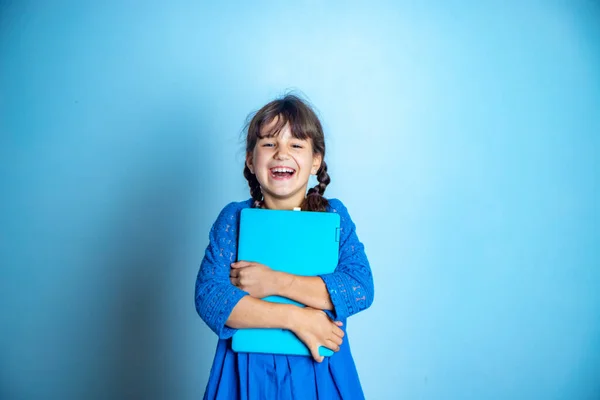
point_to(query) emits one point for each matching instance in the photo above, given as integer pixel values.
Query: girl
(284, 146)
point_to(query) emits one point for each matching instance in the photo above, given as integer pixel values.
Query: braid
(255, 191)
(314, 198)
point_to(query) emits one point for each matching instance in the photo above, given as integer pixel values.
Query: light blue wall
(463, 136)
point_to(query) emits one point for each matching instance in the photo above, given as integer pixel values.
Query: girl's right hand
(315, 329)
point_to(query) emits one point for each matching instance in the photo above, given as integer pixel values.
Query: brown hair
(304, 124)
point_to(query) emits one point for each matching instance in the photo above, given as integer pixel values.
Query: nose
(282, 154)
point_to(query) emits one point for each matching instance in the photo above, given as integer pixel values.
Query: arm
(260, 281)
(350, 287)
(215, 296)
(255, 313)
(308, 290)
(311, 326)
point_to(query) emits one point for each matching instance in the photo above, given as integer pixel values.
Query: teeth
(289, 170)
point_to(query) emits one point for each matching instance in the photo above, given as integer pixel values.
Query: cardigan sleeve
(350, 286)
(215, 296)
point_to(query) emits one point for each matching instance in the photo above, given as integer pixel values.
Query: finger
(241, 264)
(339, 323)
(235, 281)
(338, 332)
(234, 273)
(315, 353)
(333, 346)
(336, 339)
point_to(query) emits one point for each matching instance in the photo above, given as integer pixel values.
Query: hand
(315, 329)
(257, 279)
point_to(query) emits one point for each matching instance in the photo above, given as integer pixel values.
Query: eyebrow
(274, 134)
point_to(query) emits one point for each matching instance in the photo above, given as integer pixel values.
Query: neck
(273, 203)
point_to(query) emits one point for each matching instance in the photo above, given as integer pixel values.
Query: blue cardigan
(350, 286)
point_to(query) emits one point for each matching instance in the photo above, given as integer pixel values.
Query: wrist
(292, 317)
(283, 282)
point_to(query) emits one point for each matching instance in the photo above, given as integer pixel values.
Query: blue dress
(249, 376)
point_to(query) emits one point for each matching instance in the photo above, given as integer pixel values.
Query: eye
(298, 144)
(268, 144)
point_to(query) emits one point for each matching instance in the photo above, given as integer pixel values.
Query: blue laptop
(298, 242)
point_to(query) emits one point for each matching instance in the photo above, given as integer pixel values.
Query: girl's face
(282, 165)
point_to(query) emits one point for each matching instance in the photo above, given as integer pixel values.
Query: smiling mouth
(282, 172)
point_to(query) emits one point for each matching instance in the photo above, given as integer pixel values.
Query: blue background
(462, 135)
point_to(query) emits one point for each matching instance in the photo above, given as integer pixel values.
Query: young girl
(284, 146)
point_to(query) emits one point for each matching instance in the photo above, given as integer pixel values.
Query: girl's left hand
(257, 279)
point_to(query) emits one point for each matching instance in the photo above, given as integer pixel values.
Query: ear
(316, 164)
(249, 162)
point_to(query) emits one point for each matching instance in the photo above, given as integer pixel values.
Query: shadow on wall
(151, 306)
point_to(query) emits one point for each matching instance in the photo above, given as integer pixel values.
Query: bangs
(272, 123)
(270, 127)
